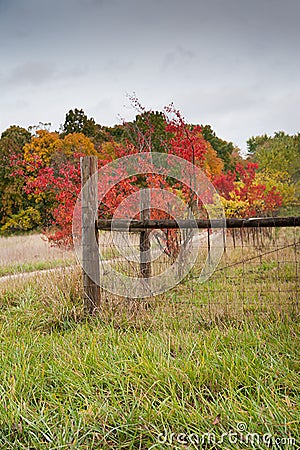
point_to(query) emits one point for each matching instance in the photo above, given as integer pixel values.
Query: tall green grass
(136, 372)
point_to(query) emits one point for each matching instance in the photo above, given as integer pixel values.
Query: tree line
(40, 174)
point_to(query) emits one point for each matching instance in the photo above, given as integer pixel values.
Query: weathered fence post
(90, 250)
(145, 263)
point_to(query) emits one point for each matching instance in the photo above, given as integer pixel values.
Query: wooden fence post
(145, 263)
(90, 250)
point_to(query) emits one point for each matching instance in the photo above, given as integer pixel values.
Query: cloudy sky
(233, 64)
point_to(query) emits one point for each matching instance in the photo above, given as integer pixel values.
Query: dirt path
(36, 273)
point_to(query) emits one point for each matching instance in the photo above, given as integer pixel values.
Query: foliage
(213, 165)
(247, 194)
(255, 142)
(41, 170)
(51, 174)
(25, 220)
(68, 149)
(16, 136)
(13, 198)
(59, 184)
(41, 146)
(225, 150)
(76, 121)
(279, 180)
(148, 131)
(58, 187)
(56, 180)
(109, 150)
(278, 154)
(186, 142)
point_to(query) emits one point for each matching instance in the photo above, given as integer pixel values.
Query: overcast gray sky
(233, 64)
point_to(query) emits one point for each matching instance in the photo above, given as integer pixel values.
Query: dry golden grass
(29, 249)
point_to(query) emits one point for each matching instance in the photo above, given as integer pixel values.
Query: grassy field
(28, 253)
(193, 368)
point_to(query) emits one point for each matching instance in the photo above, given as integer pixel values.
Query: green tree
(118, 133)
(13, 198)
(17, 137)
(255, 142)
(279, 154)
(77, 122)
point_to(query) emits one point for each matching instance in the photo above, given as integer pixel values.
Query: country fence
(258, 270)
(254, 247)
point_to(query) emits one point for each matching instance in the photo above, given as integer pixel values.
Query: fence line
(258, 273)
(250, 246)
(138, 225)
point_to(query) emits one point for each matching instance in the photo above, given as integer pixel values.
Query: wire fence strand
(259, 269)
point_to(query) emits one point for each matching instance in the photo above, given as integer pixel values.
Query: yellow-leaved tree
(280, 180)
(41, 146)
(75, 143)
(213, 165)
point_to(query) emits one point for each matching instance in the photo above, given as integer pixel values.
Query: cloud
(179, 57)
(36, 73)
(222, 62)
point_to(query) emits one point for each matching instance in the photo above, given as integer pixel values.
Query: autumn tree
(213, 165)
(46, 166)
(148, 131)
(41, 147)
(226, 151)
(40, 174)
(60, 184)
(246, 193)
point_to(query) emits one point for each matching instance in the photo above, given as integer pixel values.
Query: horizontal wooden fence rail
(138, 225)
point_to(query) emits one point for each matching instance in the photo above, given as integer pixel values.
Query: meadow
(30, 252)
(209, 366)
